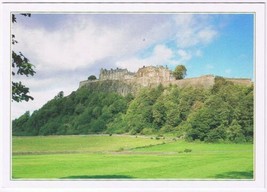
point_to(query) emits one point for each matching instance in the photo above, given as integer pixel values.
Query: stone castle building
(124, 82)
(153, 75)
(115, 74)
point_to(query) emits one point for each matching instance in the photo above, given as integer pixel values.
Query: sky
(67, 48)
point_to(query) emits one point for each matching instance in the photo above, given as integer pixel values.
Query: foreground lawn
(126, 157)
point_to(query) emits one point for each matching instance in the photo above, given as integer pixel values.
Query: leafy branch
(21, 66)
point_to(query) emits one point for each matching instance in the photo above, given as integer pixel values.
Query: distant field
(78, 144)
(127, 157)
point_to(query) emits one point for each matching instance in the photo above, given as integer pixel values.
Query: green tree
(220, 83)
(235, 133)
(217, 134)
(172, 113)
(19, 125)
(209, 121)
(179, 72)
(159, 113)
(21, 66)
(60, 95)
(139, 114)
(92, 77)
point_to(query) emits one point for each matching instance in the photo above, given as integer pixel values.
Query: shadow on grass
(98, 177)
(235, 175)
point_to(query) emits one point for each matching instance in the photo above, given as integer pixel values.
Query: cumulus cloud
(184, 55)
(69, 48)
(193, 30)
(161, 55)
(84, 41)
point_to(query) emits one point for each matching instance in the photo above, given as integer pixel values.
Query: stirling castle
(123, 81)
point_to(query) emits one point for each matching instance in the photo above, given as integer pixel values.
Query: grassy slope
(97, 158)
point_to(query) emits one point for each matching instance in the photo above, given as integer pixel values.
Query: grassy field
(127, 157)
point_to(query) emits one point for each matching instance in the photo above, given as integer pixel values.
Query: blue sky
(67, 48)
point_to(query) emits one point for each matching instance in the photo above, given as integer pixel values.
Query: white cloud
(206, 35)
(68, 48)
(184, 55)
(193, 30)
(199, 53)
(161, 55)
(83, 41)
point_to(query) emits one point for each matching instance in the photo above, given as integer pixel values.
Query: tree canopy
(223, 113)
(92, 77)
(179, 72)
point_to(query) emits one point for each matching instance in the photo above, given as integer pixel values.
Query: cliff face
(129, 86)
(121, 87)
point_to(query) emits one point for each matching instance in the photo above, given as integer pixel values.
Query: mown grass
(125, 157)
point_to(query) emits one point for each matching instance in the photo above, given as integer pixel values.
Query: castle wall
(83, 83)
(206, 81)
(125, 82)
(241, 81)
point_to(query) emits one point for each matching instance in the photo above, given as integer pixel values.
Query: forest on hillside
(223, 113)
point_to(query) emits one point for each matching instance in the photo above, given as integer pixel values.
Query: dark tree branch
(21, 66)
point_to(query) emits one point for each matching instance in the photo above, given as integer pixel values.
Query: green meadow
(128, 157)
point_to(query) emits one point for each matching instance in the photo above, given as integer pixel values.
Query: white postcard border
(258, 185)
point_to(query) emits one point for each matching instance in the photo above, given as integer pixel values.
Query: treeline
(223, 113)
